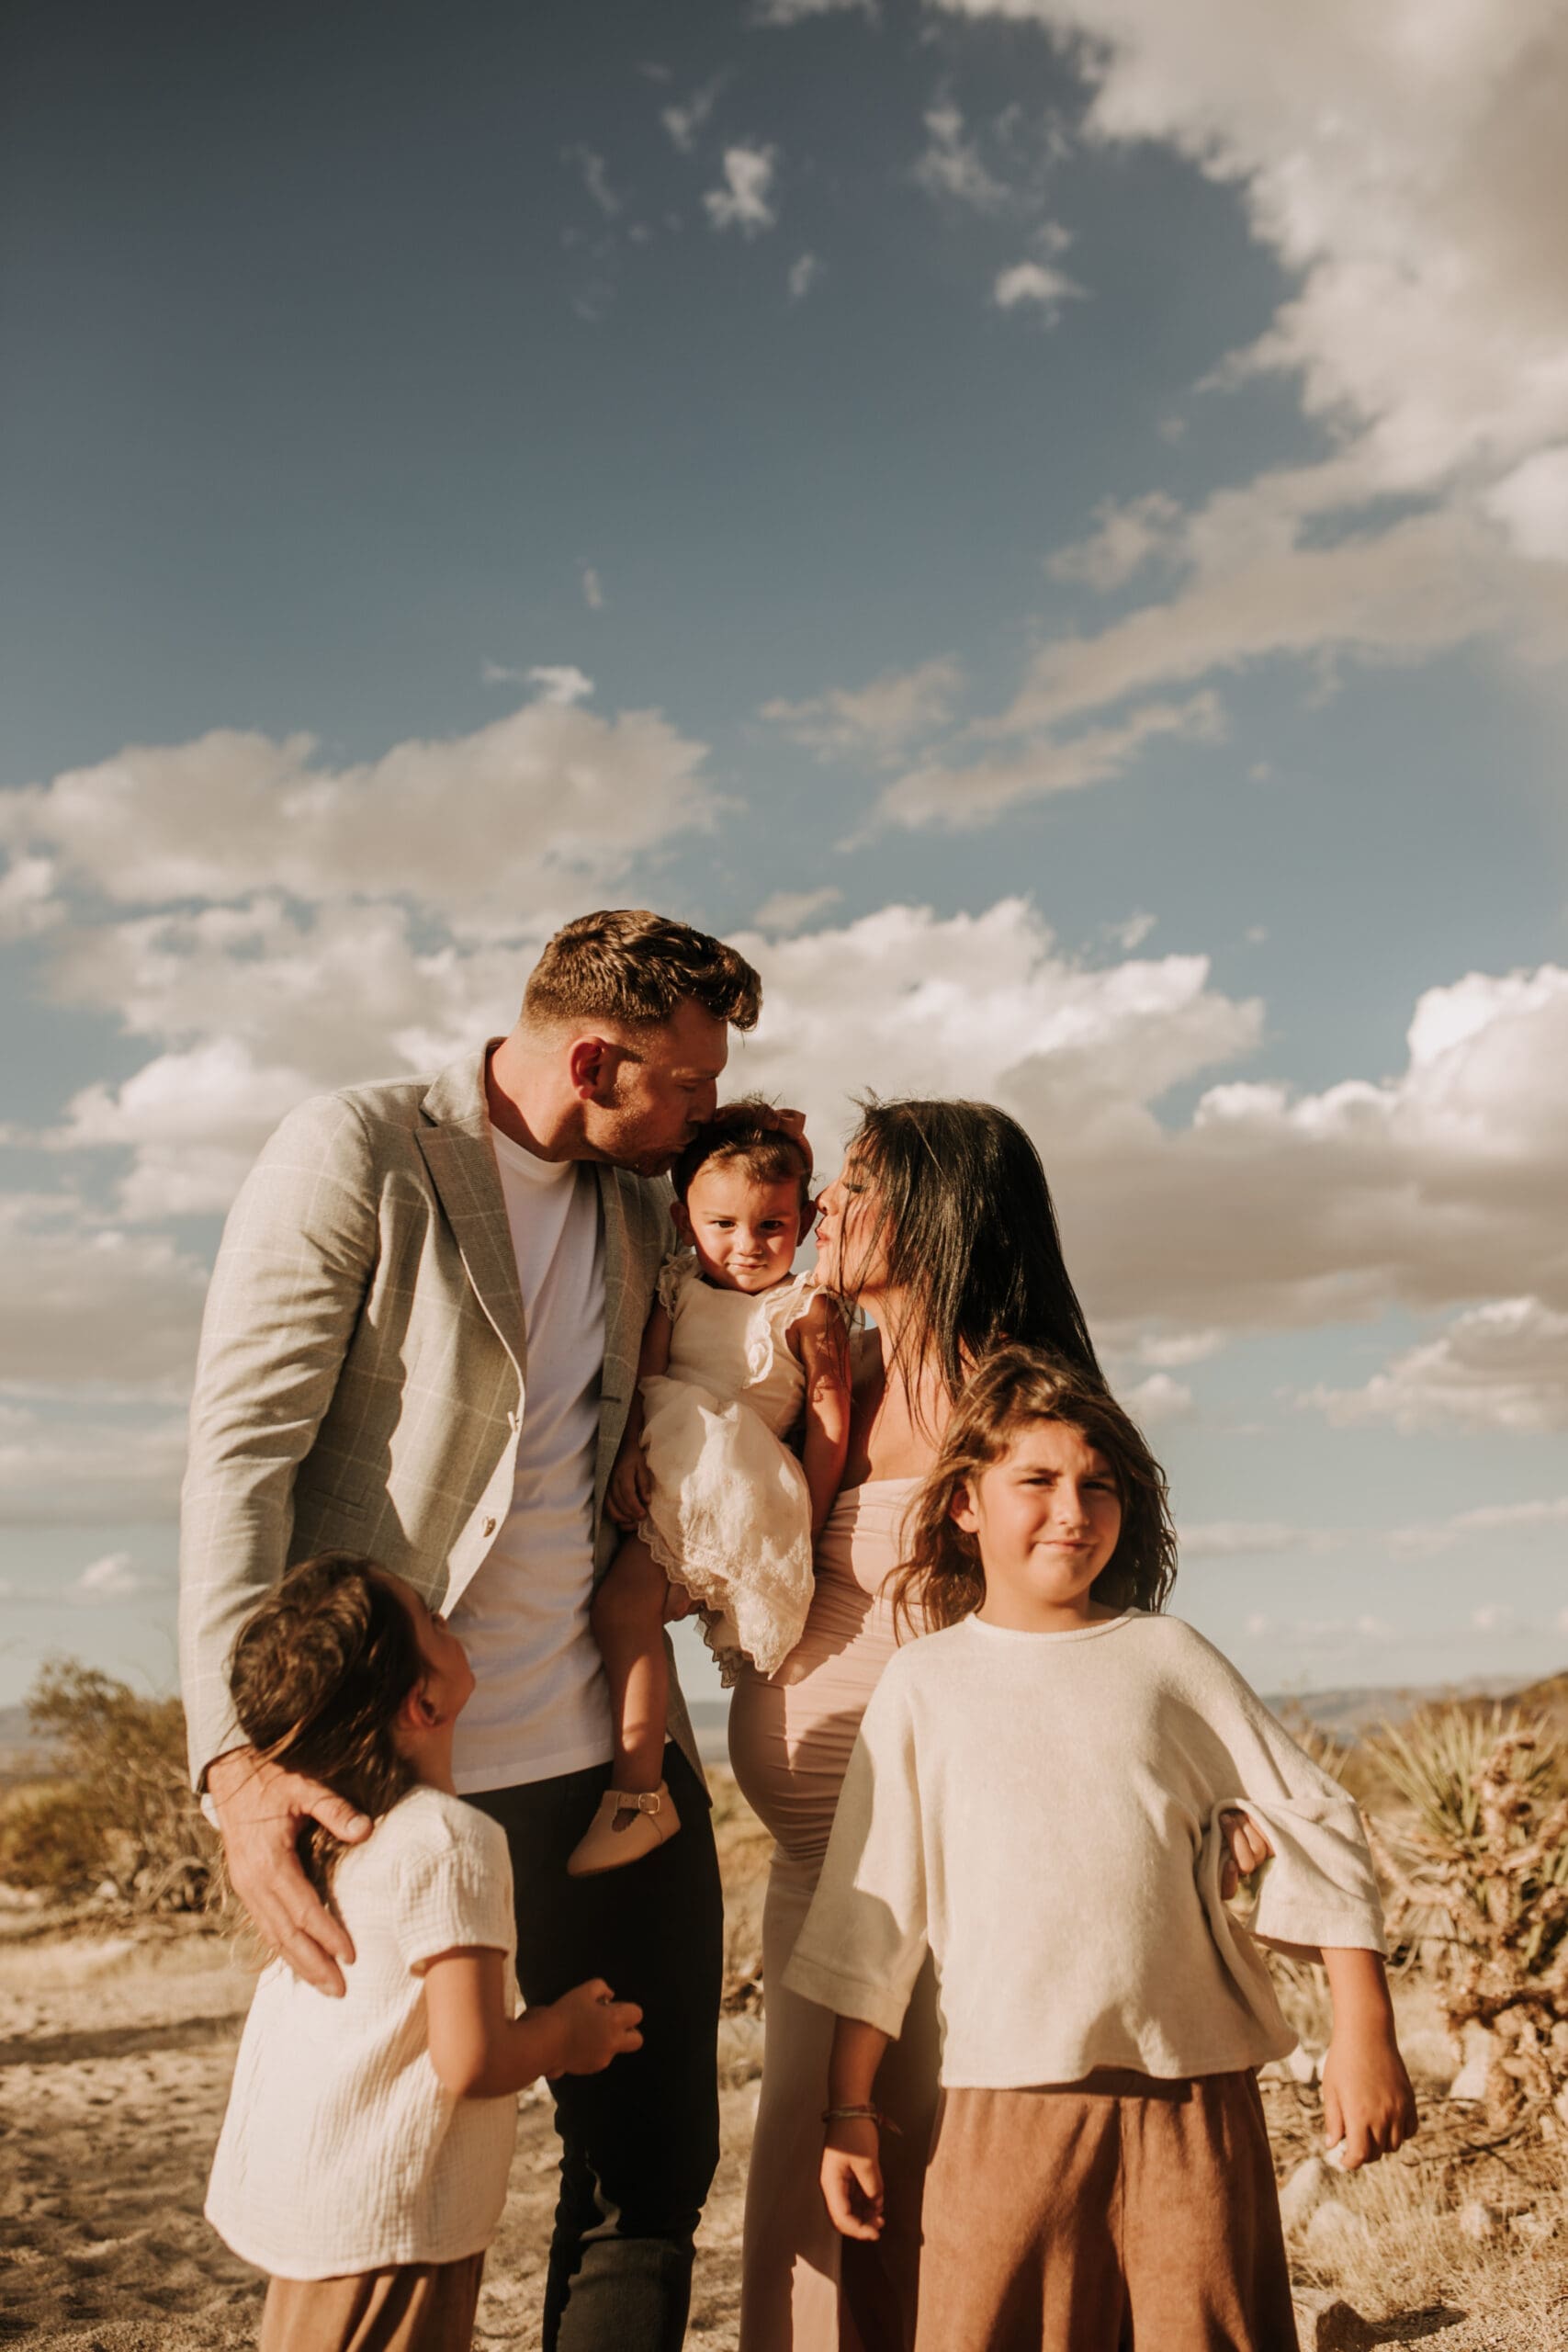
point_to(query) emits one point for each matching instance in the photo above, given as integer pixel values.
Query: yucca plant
(1479, 1878)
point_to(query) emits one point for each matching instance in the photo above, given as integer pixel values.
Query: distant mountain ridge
(1350, 1712)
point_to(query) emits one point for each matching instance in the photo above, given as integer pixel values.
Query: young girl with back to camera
(1036, 1798)
(364, 2152)
(738, 1352)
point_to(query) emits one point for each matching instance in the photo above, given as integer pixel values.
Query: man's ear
(591, 1065)
(680, 1218)
(961, 1509)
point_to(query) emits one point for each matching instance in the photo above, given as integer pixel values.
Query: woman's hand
(852, 2178)
(1246, 1850)
(630, 1490)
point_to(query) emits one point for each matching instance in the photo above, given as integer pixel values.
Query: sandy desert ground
(114, 2053)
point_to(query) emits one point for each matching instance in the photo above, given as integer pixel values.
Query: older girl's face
(849, 1255)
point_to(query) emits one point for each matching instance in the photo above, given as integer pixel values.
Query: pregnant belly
(791, 1732)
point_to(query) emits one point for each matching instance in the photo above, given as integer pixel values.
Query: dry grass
(115, 2053)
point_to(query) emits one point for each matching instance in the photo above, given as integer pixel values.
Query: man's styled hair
(942, 1581)
(736, 1138)
(624, 964)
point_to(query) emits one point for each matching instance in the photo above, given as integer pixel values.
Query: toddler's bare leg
(627, 1616)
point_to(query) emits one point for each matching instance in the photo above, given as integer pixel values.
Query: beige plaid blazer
(364, 1367)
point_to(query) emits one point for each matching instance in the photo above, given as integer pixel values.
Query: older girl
(1035, 1799)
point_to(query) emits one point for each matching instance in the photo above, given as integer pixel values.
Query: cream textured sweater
(340, 2151)
(1040, 1810)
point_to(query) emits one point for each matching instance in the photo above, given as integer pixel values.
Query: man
(420, 1344)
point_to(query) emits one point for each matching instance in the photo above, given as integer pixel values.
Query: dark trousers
(639, 2143)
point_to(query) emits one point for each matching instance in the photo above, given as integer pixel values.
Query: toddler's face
(744, 1232)
(1047, 1517)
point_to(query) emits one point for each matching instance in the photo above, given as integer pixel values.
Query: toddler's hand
(1369, 2106)
(852, 2178)
(630, 1490)
(594, 2028)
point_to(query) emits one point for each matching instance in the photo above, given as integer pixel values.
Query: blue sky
(1048, 520)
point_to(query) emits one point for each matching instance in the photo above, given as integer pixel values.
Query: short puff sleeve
(455, 1889)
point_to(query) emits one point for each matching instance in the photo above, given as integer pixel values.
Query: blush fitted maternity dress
(804, 2289)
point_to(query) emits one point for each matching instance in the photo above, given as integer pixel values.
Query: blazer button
(489, 1527)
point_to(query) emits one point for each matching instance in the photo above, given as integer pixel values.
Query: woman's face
(850, 1252)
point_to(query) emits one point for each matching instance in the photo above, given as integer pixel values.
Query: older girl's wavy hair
(319, 1676)
(941, 1579)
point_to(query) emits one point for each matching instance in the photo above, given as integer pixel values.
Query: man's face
(661, 1086)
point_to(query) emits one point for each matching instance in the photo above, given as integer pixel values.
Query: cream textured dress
(730, 1518)
(804, 2287)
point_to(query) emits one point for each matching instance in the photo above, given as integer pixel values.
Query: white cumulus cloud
(744, 202)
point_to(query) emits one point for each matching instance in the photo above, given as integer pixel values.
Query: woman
(940, 1227)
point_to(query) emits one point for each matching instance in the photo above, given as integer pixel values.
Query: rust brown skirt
(1098, 2216)
(418, 2307)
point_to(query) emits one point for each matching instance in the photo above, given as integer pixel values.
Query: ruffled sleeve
(674, 1277)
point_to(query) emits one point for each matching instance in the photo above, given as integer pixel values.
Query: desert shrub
(52, 1839)
(117, 1807)
(1478, 1872)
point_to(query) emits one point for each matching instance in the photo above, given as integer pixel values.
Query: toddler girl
(1035, 1797)
(364, 2156)
(736, 1349)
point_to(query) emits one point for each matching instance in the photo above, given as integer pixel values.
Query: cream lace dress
(730, 1518)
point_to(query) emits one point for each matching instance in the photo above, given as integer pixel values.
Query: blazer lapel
(457, 1151)
(623, 1312)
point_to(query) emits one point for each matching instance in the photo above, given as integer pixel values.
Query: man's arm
(286, 1290)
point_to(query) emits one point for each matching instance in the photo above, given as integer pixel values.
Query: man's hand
(630, 1490)
(260, 1807)
(1246, 1850)
(852, 2178)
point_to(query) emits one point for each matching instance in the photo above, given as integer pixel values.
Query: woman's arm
(1369, 2106)
(630, 1490)
(821, 1340)
(851, 2159)
(478, 2052)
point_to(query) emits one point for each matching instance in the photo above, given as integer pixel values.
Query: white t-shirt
(1040, 1812)
(541, 1706)
(340, 2151)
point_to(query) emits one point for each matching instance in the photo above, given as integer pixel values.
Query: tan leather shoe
(630, 1824)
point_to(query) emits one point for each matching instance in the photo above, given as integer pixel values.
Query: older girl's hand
(852, 2178)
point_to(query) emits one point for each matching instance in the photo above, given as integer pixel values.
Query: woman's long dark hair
(970, 1237)
(319, 1676)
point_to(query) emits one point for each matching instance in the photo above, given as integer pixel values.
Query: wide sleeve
(1320, 1888)
(292, 1271)
(864, 1938)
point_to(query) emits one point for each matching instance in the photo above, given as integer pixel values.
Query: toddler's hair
(318, 1676)
(942, 1580)
(737, 1139)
